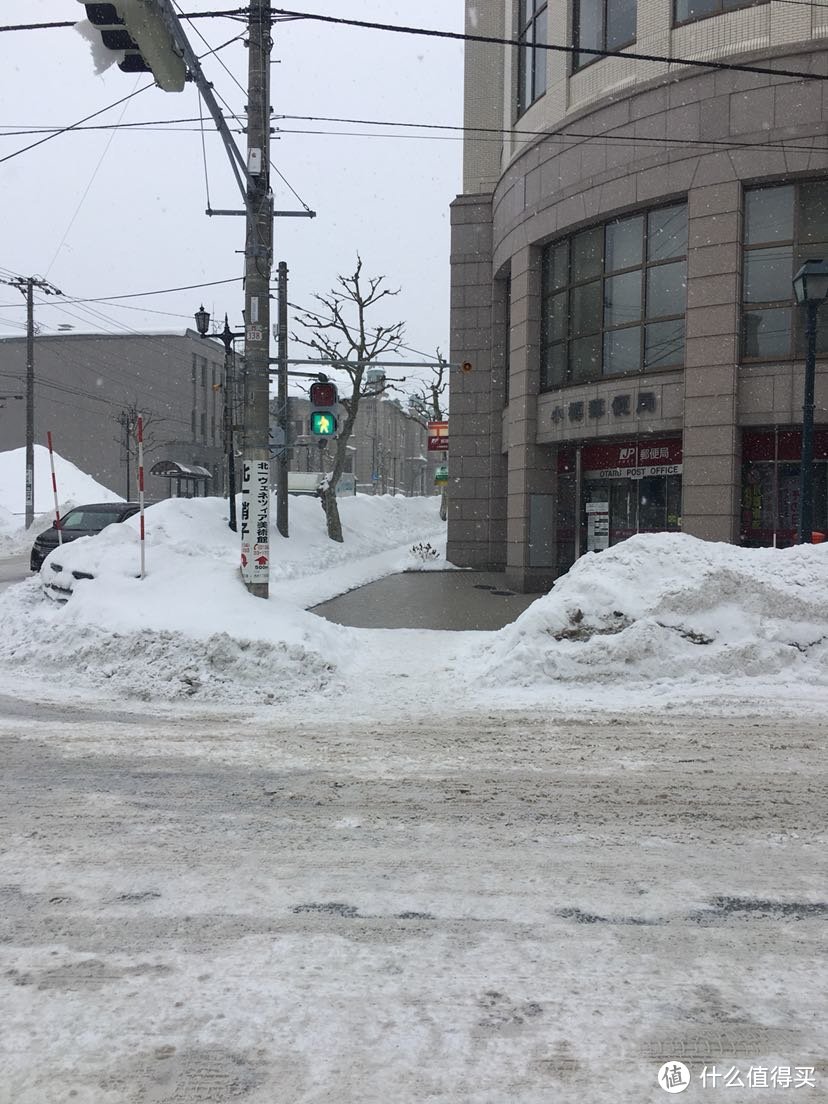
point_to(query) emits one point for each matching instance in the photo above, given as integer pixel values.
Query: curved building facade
(622, 263)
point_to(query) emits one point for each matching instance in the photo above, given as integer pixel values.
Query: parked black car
(82, 521)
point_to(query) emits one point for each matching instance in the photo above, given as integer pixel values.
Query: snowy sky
(106, 212)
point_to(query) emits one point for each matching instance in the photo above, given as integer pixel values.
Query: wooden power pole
(255, 519)
(27, 284)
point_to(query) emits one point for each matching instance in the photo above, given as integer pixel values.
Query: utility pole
(26, 285)
(255, 519)
(282, 404)
(126, 424)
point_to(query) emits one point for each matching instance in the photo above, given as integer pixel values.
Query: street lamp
(202, 321)
(811, 289)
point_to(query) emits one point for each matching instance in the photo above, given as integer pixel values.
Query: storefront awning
(171, 469)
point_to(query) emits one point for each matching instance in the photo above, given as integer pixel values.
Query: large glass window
(531, 60)
(784, 225)
(688, 11)
(602, 25)
(614, 298)
(770, 486)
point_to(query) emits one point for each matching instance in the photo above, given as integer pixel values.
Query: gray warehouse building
(622, 263)
(89, 387)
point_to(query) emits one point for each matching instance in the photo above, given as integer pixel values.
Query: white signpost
(255, 539)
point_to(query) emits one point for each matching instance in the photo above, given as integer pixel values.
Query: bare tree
(426, 404)
(353, 346)
(127, 419)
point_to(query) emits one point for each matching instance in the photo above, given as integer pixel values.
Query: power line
(459, 36)
(160, 291)
(232, 13)
(493, 40)
(94, 115)
(561, 136)
(458, 133)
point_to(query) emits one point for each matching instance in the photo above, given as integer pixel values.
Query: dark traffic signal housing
(137, 29)
(323, 412)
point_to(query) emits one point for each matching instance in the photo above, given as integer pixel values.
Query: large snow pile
(74, 488)
(189, 629)
(667, 608)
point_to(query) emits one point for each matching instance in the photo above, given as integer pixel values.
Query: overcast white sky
(104, 213)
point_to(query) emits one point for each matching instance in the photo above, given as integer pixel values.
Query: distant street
(463, 908)
(14, 569)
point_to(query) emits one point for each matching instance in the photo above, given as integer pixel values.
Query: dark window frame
(578, 63)
(549, 292)
(532, 14)
(799, 251)
(721, 9)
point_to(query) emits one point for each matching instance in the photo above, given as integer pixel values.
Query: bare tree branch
(354, 347)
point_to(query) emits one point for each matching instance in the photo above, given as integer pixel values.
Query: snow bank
(190, 629)
(669, 607)
(74, 486)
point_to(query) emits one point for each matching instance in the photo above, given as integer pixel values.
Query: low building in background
(90, 388)
(388, 450)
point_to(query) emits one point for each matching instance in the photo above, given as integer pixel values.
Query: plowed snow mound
(669, 606)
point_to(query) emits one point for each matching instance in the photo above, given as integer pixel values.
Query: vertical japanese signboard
(255, 538)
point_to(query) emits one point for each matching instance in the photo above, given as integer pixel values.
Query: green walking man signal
(323, 401)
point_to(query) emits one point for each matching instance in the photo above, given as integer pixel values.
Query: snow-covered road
(480, 907)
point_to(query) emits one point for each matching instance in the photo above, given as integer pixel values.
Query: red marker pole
(141, 488)
(54, 489)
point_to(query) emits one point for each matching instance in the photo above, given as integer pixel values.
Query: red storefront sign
(625, 460)
(785, 445)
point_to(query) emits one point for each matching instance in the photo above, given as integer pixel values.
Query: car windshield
(88, 519)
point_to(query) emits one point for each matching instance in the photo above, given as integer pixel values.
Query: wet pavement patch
(453, 600)
(754, 908)
(330, 908)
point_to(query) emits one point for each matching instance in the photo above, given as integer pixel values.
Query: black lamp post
(810, 288)
(202, 321)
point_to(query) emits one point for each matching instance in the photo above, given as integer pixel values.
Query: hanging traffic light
(323, 401)
(140, 30)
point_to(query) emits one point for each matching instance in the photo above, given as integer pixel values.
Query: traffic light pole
(282, 404)
(255, 511)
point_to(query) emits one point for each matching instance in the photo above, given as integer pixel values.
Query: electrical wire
(210, 48)
(494, 40)
(459, 133)
(232, 13)
(72, 126)
(82, 200)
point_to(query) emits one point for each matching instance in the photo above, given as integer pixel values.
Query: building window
(688, 11)
(784, 225)
(770, 486)
(614, 299)
(531, 60)
(602, 25)
(507, 340)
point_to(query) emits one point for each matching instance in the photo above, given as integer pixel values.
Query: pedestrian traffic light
(140, 30)
(323, 400)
